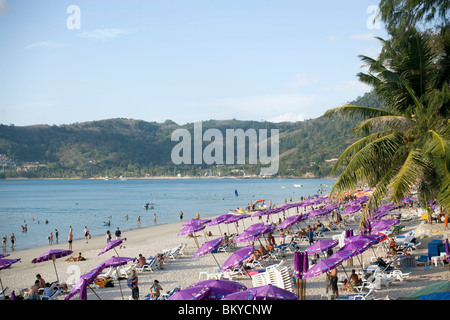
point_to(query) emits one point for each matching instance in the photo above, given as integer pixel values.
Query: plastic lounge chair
(423, 259)
(173, 253)
(53, 296)
(2, 293)
(168, 294)
(150, 266)
(369, 295)
(222, 248)
(231, 274)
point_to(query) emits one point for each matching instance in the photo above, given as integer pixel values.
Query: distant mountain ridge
(128, 147)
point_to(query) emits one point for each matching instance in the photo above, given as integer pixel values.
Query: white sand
(184, 271)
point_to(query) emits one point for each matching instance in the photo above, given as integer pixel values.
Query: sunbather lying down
(78, 258)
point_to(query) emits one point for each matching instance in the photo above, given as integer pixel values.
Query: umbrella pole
(116, 251)
(94, 292)
(118, 279)
(195, 240)
(54, 265)
(215, 259)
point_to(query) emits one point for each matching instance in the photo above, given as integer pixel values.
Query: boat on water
(149, 205)
(297, 185)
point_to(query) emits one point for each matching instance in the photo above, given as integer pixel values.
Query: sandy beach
(185, 269)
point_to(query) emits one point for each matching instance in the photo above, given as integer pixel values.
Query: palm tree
(405, 143)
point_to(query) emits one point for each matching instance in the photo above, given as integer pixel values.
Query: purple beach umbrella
(192, 293)
(83, 283)
(352, 209)
(343, 254)
(112, 245)
(224, 284)
(372, 238)
(237, 257)
(381, 225)
(195, 221)
(322, 267)
(209, 247)
(290, 221)
(358, 246)
(266, 292)
(246, 236)
(321, 246)
(5, 264)
(52, 255)
(115, 262)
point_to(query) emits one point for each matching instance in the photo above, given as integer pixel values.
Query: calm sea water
(80, 203)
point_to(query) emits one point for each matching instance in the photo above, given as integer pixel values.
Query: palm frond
(351, 110)
(398, 123)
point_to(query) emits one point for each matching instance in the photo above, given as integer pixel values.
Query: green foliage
(127, 147)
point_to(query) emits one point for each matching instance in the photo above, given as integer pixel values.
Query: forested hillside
(136, 148)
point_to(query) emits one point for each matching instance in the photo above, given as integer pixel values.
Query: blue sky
(184, 60)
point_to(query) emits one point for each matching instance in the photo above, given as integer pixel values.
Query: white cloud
(363, 37)
(289, 117)
(302, 80)
(45, 44)
(103, 34)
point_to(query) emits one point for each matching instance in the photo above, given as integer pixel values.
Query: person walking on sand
(86, 234)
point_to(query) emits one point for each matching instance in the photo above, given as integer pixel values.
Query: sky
(63, 62)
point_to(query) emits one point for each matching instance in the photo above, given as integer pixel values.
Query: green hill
(137, 148)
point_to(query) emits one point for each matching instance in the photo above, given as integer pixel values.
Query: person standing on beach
(118, 233)
(181, 215)
(86, 234)
(12, 239)
(154, 217)
(132, 282)
(108, 236)
(70, 239)
(333, 274)
(4, 241)
(56, 235)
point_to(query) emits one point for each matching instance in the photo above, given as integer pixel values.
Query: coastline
(185, 270)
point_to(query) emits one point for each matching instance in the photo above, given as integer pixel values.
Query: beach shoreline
(185, 270)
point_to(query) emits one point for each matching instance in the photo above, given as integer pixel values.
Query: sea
(46, 205)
